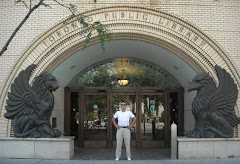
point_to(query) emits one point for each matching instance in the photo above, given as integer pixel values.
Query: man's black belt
(123, 126)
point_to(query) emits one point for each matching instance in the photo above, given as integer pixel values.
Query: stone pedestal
(173, 141)
(208, 148)
(37, 148)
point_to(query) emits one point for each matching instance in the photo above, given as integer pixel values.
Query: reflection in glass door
(95, 118)
(153, 119)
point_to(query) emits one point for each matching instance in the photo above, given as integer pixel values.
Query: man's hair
(124, 101)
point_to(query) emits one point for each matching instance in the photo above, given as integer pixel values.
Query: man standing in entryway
(123, 129)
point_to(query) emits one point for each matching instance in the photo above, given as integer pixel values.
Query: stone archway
(126, 22)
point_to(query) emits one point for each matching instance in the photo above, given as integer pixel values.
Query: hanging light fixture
(123, 81)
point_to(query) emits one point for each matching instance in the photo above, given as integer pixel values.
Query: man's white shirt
(123, 117)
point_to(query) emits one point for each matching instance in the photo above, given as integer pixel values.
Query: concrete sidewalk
(204, 161)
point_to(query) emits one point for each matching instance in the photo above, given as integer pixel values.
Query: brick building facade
(209, 23)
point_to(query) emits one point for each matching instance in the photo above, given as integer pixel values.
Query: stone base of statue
(208, 148)
(37, 148)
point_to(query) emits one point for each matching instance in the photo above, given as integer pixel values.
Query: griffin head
(199, 81)
(47, 81)
(50, 81)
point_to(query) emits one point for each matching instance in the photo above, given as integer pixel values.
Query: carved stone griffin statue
(31, 107)
(213, 107)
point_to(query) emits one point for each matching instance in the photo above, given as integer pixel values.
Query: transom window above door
(128, 72)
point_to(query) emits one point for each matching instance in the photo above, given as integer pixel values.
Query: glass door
(153, 120)
(74, 115)
(95, 120)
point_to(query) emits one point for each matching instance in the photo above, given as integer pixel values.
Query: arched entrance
(92, 97)
(152, 26)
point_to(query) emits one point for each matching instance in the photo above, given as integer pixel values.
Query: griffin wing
(224, 99)
(21, 98)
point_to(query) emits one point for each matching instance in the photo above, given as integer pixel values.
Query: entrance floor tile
(109, 154)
